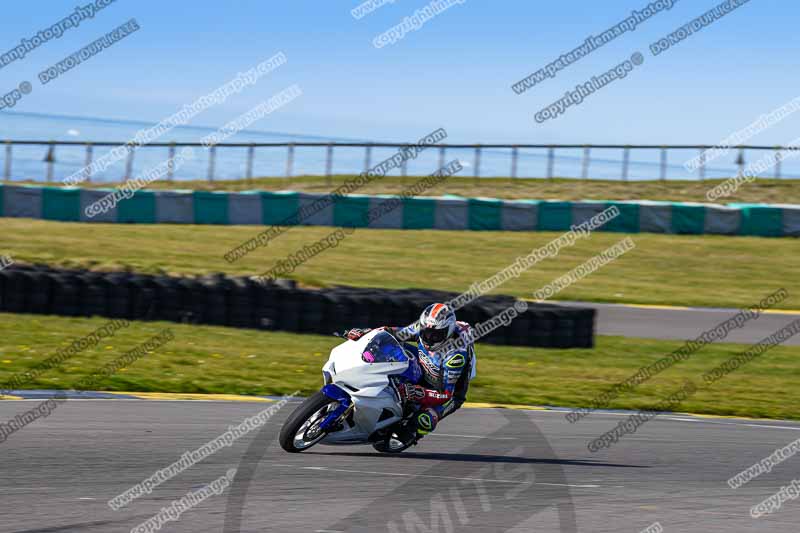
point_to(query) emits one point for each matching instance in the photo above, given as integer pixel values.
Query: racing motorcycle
(359, 402)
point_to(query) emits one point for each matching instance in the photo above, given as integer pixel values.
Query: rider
(446, 354)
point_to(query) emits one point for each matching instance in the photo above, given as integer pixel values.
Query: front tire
(300, 431)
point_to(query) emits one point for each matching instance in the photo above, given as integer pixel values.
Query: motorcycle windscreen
(383, 348)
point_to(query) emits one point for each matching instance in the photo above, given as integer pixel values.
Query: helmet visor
(432, 337)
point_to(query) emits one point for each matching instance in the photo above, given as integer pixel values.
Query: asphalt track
(484, 470)
(683, 323)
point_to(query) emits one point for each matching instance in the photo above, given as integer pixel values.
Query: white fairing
(374, 393)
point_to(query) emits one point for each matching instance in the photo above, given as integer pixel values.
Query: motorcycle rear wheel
(300, 431)
(393, 444)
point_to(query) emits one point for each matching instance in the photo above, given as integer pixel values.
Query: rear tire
(394, 444)
(383, 447)
(311, 410)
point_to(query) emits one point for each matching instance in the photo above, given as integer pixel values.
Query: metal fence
(51, 152)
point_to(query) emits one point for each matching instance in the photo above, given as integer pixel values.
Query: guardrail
(51, 152)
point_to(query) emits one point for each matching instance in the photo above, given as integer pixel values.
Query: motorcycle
(359, 402)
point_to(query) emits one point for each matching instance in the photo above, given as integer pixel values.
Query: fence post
(477, 162)
(329, 163)
(626, 158)
(740, 161)
(129, 163)
(702, 167)
(663, 163)
(87, 174)
(171, 168)
(404, 167)
(367, 157)
(7, 171)
(441, 157)
(250, 156)
(514, 156)
(551, 157)
(212, 157)
(50, 159)
(289, 159)
(778, 159)
(585, 164)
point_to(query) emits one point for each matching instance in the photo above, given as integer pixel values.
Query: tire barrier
(244, 303)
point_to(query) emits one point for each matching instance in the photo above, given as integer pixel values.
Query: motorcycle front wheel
(301, 430)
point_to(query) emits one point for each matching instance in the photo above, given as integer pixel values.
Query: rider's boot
(417, 425)
(407, 431)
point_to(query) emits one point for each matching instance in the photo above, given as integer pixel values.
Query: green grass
(206, 359)
(760, 191)
(663, 269)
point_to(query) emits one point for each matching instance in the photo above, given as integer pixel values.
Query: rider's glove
(411, 392)
(355, 333)
(426, 421)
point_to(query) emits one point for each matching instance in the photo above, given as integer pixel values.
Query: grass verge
(206, 359)
(706, 270)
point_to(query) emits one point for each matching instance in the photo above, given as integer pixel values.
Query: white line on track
(327, 469)
(665, 416)
(471, 436)
(730, 423)
(762, 426)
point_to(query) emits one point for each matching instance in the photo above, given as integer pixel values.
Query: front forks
(338, 415)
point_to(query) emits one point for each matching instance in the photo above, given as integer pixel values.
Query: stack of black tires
(246, 303)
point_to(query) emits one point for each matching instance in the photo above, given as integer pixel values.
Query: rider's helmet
(436, 324)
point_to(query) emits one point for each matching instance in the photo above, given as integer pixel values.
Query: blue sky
(454, 72)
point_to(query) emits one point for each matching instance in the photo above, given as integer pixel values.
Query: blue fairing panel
(334, 392)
